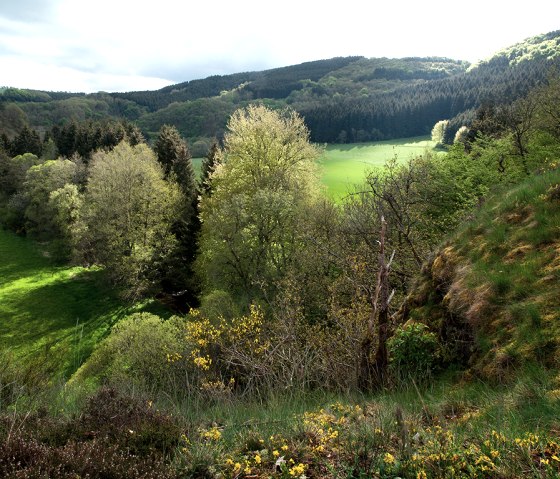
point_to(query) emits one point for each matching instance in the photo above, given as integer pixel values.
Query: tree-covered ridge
(343, 100)
(200, 108)
(546, 46)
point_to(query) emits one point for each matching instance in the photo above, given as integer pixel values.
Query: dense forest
(409, 330)
(343, 100)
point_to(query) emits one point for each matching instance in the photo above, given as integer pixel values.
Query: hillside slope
(492, 293)
(52, 317)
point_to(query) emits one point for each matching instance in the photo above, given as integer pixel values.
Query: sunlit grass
(447, 429)
(52, 315)
(344, 166)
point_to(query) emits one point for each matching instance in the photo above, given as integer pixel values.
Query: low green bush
(414, 352)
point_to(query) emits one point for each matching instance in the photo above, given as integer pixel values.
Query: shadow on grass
(58, 324)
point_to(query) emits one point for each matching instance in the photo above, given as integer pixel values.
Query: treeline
(181, 104)
(350, 99)
(412, 111)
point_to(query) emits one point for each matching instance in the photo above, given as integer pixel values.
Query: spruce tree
(209, 163)
(175, 157)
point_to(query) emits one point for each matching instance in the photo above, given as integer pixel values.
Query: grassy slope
(501, 275)
(499, 280)
(52, 315)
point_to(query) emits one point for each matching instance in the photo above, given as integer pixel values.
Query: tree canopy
(129, 209)
(252, 220)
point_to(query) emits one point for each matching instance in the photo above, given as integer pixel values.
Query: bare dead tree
(373, 371)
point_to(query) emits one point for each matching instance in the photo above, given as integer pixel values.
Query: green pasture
(343, 166)
(52, 315)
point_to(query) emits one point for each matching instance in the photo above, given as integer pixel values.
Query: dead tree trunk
(373, 371)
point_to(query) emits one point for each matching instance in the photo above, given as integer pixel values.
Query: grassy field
(343, 166)
(52, 315)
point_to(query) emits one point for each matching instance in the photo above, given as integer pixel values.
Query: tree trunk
(372, 374)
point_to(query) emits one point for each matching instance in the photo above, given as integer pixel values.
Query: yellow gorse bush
(209, 341)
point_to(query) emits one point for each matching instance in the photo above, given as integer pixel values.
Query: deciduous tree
(128, 212)
(252, 223)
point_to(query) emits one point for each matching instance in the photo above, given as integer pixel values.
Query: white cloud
(82, 45)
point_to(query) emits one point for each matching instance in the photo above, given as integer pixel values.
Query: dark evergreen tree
(175, 157)
(133, 134)
(209, 163)
(27, 141)
(5, 143)
(169, 146)
(65, 138)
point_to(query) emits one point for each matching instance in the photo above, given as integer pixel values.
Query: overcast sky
(124, 45)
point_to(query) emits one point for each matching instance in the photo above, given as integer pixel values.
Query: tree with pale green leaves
(40, 181)
(128, 212)
(254, 221)
(438, 132)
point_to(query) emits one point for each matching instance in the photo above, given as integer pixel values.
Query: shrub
(114, 436)
(414, 352)
(137, 353)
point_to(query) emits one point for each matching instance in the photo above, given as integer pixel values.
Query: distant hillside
(492, 293)
(344, 100)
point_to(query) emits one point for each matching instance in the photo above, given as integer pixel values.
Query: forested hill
(348, 99)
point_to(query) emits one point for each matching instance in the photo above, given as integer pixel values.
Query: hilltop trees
(252, 223)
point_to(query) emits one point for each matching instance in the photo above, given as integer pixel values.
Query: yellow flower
(284, 447)
(494, 453)
(421, 475)
(297, 470)
(203, 362)
(258, 459)
(237, 466)
(389, 458)
(275, 453)
(213, 434)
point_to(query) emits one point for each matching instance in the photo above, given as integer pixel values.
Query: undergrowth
(447, 429)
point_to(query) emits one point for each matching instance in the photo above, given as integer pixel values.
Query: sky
(128, 45)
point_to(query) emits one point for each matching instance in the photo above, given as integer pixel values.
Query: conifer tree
(209, 163)
(175, 157)
(27, 141)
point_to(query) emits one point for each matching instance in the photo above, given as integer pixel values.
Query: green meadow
(52, 316)
(344, 166)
